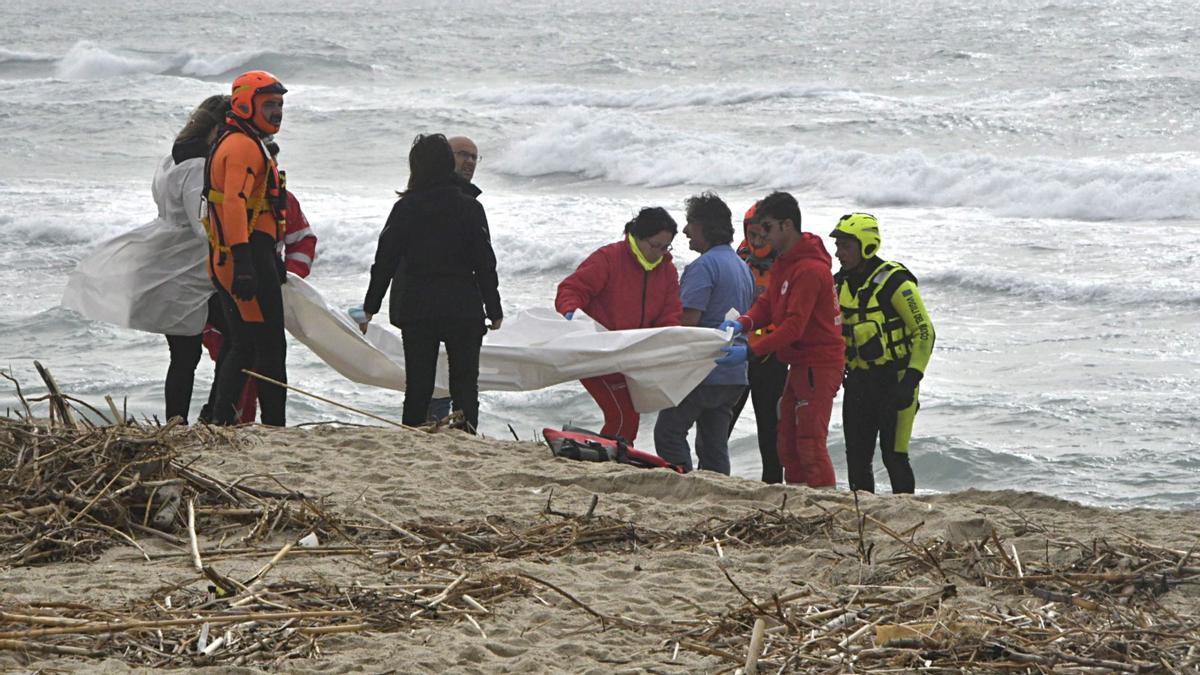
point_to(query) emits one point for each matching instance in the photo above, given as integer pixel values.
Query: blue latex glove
(731, 323)
(569, 315)
(734, 355)
(360, 317)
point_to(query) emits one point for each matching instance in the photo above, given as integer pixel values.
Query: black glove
(281, 267)
(245, 284)
(906, 388)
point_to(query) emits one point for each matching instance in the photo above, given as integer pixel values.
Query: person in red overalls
(767, 373)
(801, 304)
(631, 283)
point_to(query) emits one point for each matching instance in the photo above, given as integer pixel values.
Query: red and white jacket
(299, 242)
(801, 303)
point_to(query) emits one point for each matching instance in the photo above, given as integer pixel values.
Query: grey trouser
(710, 408)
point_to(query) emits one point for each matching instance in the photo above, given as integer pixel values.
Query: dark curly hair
(712, 215)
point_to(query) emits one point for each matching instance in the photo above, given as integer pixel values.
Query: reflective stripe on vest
(256, 205)
(873, 331)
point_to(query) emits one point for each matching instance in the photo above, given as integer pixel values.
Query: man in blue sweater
(711, 285)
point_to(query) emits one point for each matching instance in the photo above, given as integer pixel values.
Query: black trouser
(258, 346)
(463, 338)
(181, 372)
(768, 377)
(869, 409)
(216, 318)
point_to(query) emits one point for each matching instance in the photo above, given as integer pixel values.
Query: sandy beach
(642, 598)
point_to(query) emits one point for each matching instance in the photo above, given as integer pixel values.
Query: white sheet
(153, 277)
(534, 349)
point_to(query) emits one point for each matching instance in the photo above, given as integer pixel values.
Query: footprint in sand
(570, 649)
(505, 650)
(472, 654)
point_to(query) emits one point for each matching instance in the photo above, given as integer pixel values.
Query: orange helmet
(750, 213)
(246, 90)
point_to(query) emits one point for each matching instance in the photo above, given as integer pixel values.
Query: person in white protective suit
(154, 277)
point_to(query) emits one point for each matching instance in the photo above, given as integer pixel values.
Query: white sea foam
(207, 65)
(657, 98)
(626, 149)
(1101, 293)
(9, 55)
(88, 61)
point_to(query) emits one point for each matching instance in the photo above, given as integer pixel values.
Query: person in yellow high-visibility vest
(889, 339)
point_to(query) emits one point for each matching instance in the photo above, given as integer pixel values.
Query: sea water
(1034, 162)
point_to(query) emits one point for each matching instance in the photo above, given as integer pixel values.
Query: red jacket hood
(802, 306)
(811, 247)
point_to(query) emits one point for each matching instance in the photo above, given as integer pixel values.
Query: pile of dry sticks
(70, 488)
(262, 624)
(1078, 607)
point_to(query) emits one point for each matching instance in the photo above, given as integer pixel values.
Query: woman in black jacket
(436, 254)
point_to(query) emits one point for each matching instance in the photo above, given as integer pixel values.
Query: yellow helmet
(862, 227)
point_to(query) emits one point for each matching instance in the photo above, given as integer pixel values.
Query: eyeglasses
(766, 225)
(467, 156)
(655, 247)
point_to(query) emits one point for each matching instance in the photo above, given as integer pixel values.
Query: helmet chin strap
(259, 121)
(249, 127)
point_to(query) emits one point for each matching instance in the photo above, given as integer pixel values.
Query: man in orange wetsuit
(800, 303)
(246, 212)
(300, 251)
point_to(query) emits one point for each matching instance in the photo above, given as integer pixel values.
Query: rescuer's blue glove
(734, 324)
(734, 355)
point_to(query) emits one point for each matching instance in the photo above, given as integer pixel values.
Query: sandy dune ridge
(653, 594)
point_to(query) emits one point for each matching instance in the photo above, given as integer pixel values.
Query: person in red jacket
(767, 374)
(801, 304)
(300, 250)
(628, 284)
(299, 242)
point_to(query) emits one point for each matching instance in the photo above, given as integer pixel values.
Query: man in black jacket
(466, 157)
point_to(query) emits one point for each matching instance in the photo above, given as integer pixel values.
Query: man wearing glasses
(466, 156)
(801, 304)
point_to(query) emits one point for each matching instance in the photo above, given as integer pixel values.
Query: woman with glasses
(631, 283)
